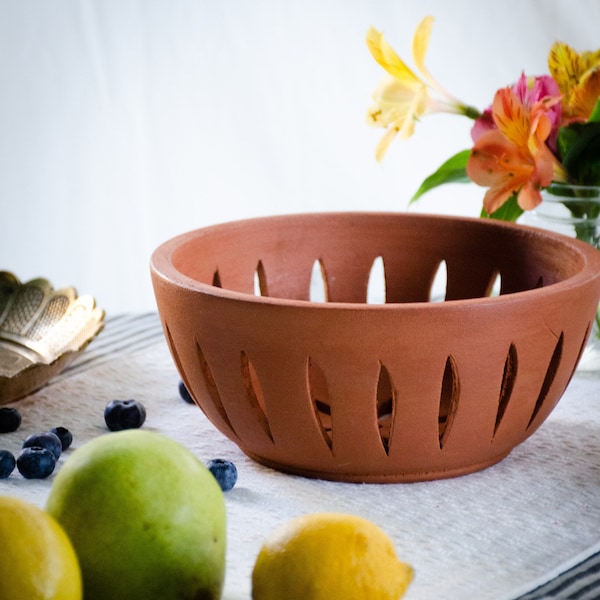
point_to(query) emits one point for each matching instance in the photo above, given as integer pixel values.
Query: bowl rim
(161, 265)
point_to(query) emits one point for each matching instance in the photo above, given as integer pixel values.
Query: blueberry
(64, 435)
(183, 392)
(7, 463)
(10, 419)
(48, 440)
(124, 414)
(36, 463)
(224, 471)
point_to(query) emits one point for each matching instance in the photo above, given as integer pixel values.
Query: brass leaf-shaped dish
(42, 330)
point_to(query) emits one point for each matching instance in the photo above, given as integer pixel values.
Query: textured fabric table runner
(527, 527)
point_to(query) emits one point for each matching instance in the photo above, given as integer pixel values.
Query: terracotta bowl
(347, 390)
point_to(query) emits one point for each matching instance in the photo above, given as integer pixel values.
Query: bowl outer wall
(352, 343)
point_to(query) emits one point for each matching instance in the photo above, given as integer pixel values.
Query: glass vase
(574, 210)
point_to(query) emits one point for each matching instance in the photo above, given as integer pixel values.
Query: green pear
(145, 516)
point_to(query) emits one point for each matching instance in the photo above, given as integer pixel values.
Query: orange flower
(514, 159)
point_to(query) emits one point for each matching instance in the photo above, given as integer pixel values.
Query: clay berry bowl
(405, 390)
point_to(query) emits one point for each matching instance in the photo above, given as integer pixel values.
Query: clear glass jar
(573, 210)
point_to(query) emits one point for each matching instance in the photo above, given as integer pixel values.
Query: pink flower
(484, 123)
(529, 90)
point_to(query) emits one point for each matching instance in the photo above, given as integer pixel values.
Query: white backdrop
(125, 122)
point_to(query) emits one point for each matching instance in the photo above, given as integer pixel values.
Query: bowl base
(408, 477)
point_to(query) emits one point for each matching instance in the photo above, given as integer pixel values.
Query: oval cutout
(216, 280)
(376, 292)
(494, 287)
(319, 397)
(211, 386)
(439, 284)
(448, 400)
(508, 381)
(254, 394)
(386, 408)
(548, 379)
(318, 283)
(260, 280)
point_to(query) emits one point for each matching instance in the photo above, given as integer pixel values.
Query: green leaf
(509, 211)
(579, 147)
(454, 170)
(595, 116)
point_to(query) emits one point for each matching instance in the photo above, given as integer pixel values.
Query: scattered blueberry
(10, 419)
(47, 440)
(64, 435)
(224, 471)
(183, 392)
(36, 463)
(7, 463)
(124, 414)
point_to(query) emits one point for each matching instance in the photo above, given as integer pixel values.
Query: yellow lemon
(329, 556)
(37, 561)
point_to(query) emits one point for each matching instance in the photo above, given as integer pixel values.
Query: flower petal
(529, 197)
(564, 66)
(590, 59)
(421, 43)
(500, 165)
(585, 95)
(495, 197)
(509, 116)
(384, 143)
(494, 157)
(575, 75)
(397, 105)
(385, 55)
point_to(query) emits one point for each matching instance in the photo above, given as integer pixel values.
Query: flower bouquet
(542, 130)
(539, 139)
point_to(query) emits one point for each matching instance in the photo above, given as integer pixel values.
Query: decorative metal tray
(42, 330)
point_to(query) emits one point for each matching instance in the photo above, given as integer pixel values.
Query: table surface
(528, 527)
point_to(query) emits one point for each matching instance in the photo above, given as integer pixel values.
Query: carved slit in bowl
(548, 379)
(211, 386)
(439, 283)
(508, 382)
(386, 408)
(376, 288)
(260, 280)
(254, 394)
(319, 398)
(494, 287)
(449, 398)
(584, 341)
(318, 291)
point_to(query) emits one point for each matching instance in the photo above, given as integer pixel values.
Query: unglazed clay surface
(405, 390)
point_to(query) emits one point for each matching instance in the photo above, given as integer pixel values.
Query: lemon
(37, 561)
(329, 556)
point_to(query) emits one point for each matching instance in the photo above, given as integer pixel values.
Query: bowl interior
(281, 257)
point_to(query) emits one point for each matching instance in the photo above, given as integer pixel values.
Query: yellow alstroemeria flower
(403, 97)
(578, 79)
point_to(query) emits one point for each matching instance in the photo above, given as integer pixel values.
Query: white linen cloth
(489, 535)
